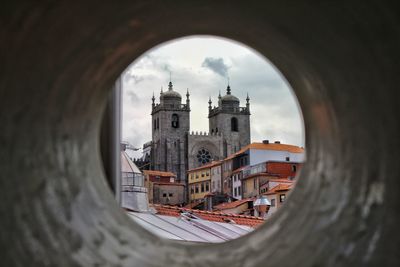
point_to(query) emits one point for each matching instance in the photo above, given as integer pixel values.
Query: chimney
(277, 142)
(265, 141)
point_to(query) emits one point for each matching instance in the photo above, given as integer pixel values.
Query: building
(216, 178)
(176, 150)
(244, 206)
(199, 182)
(277, 196)
(163, 189)
(246, 170)
(133, 192)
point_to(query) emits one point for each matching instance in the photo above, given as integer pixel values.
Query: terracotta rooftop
(165, 183)
(231, 205)
(159, 173)
(278, 188)
(206, 166)
(269, 146)
(210, 215)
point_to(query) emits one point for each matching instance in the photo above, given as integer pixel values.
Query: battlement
(201, 133)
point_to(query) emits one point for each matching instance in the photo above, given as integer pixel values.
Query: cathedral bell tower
(170, 125)
(230, 120)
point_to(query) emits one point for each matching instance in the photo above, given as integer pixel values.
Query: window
(164, 194)
(235, 194)
(170, 194)
(294, 168)
(158, 123)
(287, 158)
(155, 124)
(273, 202)
(197, 189)
(239, 190)
(191, 176)
(282, 198)
(175, 121)
(197, 176)
(202, 187)
(234, 124)
(207, 174)
(207, 187)
(216, 130)
(192, 190)
(203, 156)
(202, 174)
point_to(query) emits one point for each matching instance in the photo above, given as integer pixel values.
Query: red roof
(278, 188)
(269, 146)
(231, 205)
(164, 183)
(206, 166)
(210, 215)
(159, 173)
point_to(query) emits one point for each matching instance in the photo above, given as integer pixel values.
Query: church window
(175, 121)
(203, 156)
(234, 124)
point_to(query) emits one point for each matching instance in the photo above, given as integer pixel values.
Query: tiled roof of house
(206, 166)
(231, 205)
(269, 146)
(278, 188)
(159, 173)
(210, 215)
(171, 184)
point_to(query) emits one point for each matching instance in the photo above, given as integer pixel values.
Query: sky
(204, 65)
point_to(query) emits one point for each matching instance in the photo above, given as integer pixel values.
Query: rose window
(203, 156)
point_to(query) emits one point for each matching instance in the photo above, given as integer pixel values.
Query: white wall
(261, 155)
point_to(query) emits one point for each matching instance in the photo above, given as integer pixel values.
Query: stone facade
(175, 149)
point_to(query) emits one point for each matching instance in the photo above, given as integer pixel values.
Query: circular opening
(220, 146)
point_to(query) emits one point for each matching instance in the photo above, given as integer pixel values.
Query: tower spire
(248, 102)
(209, 104)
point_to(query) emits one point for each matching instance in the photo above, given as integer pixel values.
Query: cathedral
(175, 149)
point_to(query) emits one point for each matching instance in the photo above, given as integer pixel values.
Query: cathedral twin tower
(176, 150)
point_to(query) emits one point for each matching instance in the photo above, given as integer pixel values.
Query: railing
(242, 110)
(170, 107)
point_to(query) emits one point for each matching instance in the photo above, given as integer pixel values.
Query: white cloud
(201, 64)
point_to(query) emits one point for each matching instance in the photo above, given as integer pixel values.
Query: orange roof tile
(269, 146)
(206, 166)
(159, 173)
(165, 183)
(210, 215)
(278, 188)
(231, 205)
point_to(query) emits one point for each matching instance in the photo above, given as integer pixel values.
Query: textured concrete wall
(59, 61)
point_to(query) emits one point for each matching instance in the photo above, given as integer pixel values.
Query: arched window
(175, 121)
(234, 124)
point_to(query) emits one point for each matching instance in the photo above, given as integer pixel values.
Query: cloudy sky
(203, 64)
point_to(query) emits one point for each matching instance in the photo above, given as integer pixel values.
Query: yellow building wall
(197, 178)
